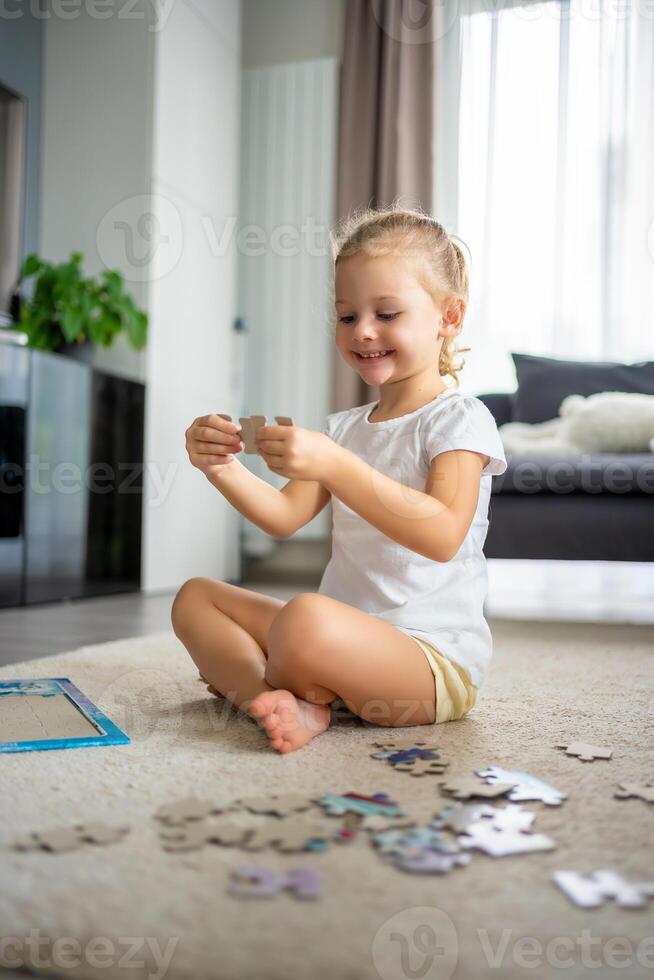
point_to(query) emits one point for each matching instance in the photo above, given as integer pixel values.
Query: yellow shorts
(455, 692)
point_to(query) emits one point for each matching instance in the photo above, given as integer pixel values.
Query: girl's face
(381, 307)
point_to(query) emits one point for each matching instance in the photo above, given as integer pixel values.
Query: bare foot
(289, 721)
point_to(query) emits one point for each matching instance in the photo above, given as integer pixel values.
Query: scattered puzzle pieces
(298, 833)
(643, 791)
(194, 836)
(185, 811)
(590, 891)
(465, 787)
(585, 752)
(406, 744)
(524, 786)
(431, 862)
(62, 839)
(336, 805)
(499, 842)
(423, 767)
(258, 882)
(281, 805)
(458, 817)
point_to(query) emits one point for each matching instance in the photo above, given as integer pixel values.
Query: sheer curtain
(551, 167)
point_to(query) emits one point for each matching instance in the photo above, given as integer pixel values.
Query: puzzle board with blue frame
(52, 713)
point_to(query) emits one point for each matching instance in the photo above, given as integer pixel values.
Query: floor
(547, 591)
(495, 919)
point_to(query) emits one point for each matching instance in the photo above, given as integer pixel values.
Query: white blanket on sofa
(608, 422)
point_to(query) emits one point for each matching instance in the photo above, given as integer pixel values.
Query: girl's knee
(185, 603)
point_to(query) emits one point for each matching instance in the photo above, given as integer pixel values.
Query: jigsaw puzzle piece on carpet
(591, 891)
(259, 882)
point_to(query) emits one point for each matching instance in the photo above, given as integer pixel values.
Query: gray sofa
(589, 507)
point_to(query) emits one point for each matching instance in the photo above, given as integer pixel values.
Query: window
(551, 180)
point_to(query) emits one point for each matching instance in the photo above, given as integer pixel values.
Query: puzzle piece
(406, 744)
(590, 891)
(465, 787)
(524, 786)
(643, 791)
(500, 842)
(250, 425)
(457, 817)
(337, 805)
(409, 755)
(585, 752)
(61, 839)
(413, 841)
(281, 805)
(300, 833)
(258, 882)
(101, 833)
(194, 836)
(423, 767)
(186, 810)
(431, 862)
(376, 823)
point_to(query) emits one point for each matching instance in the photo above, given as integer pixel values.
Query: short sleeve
(467, 424)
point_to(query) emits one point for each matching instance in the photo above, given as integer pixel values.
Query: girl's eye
(382, 316)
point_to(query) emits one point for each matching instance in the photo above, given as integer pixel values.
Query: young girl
(396, 630)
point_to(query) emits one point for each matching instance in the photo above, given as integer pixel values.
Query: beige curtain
(386, 124)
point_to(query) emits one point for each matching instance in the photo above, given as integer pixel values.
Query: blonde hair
(410, 233)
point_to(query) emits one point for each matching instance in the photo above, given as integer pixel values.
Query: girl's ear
(453, 313)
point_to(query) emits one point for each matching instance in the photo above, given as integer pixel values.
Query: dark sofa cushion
(590, 473)
(543, 383)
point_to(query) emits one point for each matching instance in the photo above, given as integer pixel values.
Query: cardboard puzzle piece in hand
(251, 423)
(590, 891)
(256, 882)
(643, 791)
(585, 752)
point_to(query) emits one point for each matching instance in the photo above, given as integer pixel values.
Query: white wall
(96, 130)
(195, 176)
(280, 31)
(141, 146)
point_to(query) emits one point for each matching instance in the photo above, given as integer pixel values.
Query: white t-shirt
(442, 602)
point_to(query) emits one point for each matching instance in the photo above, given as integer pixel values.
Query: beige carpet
(549, 683)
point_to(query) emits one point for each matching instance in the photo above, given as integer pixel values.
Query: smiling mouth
(376, 356)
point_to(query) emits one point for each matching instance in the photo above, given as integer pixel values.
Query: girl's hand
(211, 442)
(299, 454)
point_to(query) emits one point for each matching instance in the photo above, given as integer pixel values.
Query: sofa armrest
(500, 404)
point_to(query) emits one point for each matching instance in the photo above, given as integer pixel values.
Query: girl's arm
(277, 512)
(432, 523)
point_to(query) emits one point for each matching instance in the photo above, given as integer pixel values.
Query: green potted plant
(67, 308)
